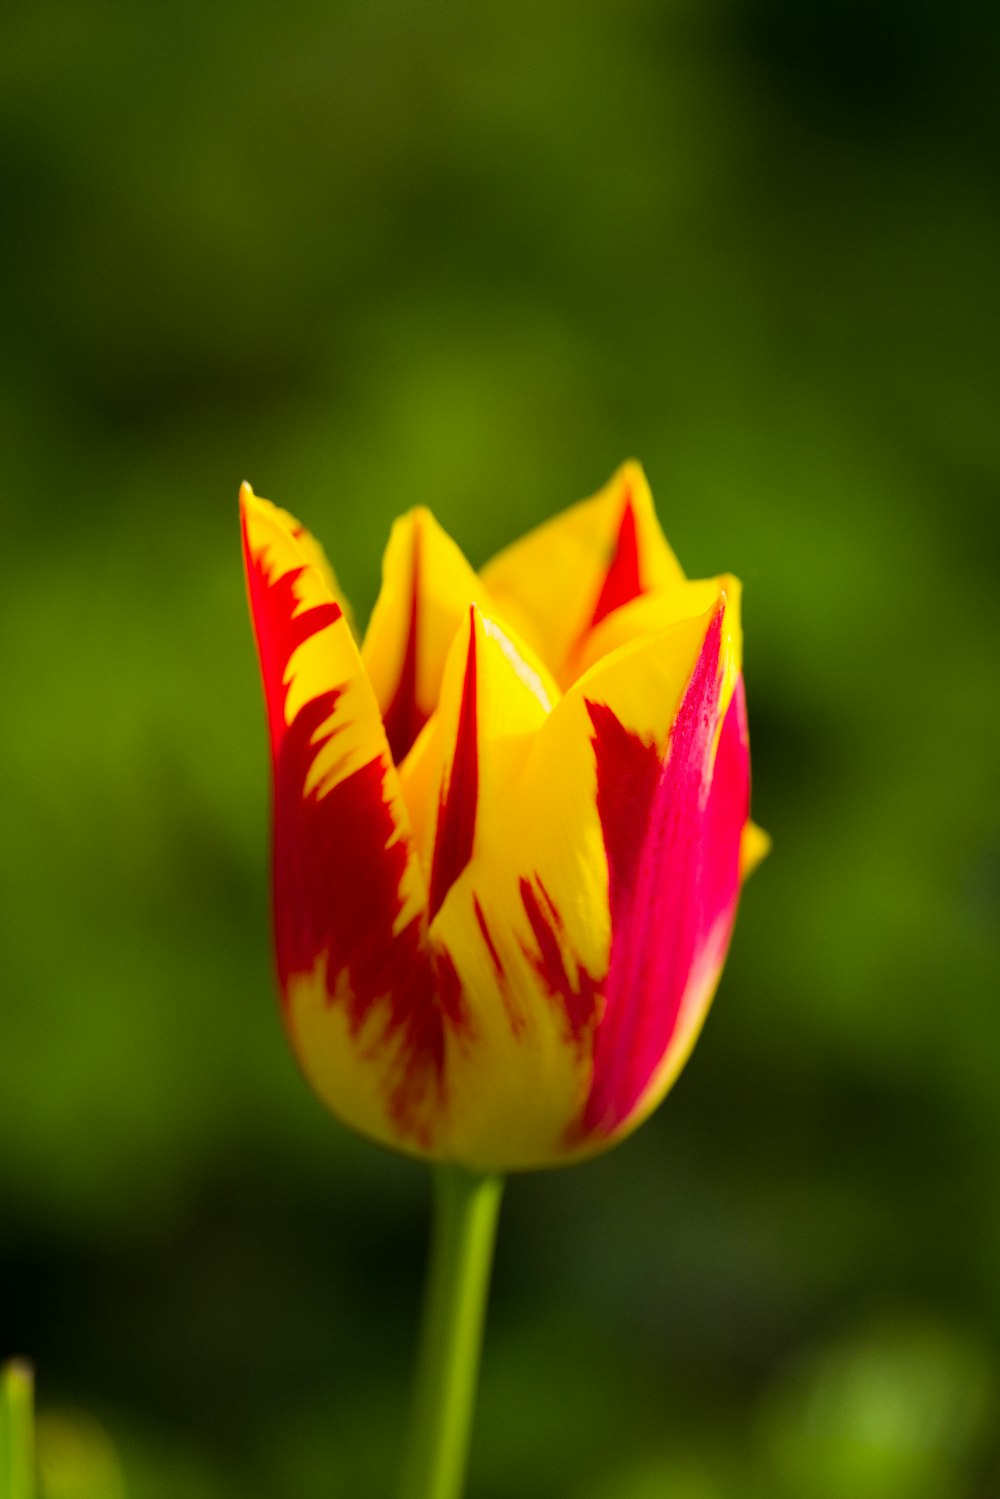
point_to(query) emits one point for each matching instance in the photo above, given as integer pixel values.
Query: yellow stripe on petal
(427, 587)
(363, 997)
(565, 578)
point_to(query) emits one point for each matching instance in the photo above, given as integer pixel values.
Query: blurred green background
(368, 254)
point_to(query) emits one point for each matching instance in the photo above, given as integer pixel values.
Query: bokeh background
(368, 254)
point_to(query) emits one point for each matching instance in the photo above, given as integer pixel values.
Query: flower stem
(17, 1453)
(466, 1206)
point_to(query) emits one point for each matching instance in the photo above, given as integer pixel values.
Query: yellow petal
(562, 580)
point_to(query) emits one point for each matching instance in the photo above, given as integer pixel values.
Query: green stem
(17, 1475)
(466, 1206)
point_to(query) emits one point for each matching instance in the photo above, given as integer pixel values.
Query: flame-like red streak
(516, 1018)
(338, 865)
(577, 996)
(622, 582)
(456, 823)
(672, 834)
(404, 717)
(491, 946)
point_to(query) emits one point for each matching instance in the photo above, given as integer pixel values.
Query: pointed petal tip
(252, 503)
(632, 472)
(254, 508)
(417, 519)
(755, 845)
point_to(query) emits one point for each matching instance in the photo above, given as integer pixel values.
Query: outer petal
(673, 819)
(562, 580)
(361, 992)
(599, 899)
(427, 587)
(312, 554)
(512, 1078)
(518, 1072)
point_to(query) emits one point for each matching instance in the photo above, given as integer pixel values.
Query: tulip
(509, 828)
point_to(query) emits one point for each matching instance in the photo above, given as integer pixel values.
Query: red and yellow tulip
(510, 827)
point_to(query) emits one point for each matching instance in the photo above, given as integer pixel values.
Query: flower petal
(563, 579)
(596, 908)
(754, 848)
(518, 1072)
(649, 614)
(311, 552)
(494, 695)
(363, 997)
(673, 817)
(427, 587)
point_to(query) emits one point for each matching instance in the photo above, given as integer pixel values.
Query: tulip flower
(510, 826)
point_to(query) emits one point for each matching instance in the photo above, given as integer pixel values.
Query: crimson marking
(622, 581)
(484, 929)
(404, 717)
(279, 628)
(456, 823)
(579, 997)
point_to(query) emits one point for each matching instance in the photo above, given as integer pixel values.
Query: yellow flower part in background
(509, 830)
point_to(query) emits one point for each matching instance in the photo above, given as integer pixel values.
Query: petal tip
(755, 845)
(633, 471)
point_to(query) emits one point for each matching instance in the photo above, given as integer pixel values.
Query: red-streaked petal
(459, 796)
(673, 830)
(427, 587)
(567, 577)
(519, 1071)
(494, 695)
(649, 614)
(362, 992)
(535, 923)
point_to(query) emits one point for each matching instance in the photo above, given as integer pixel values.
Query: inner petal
(494, 697)
(427, 587)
